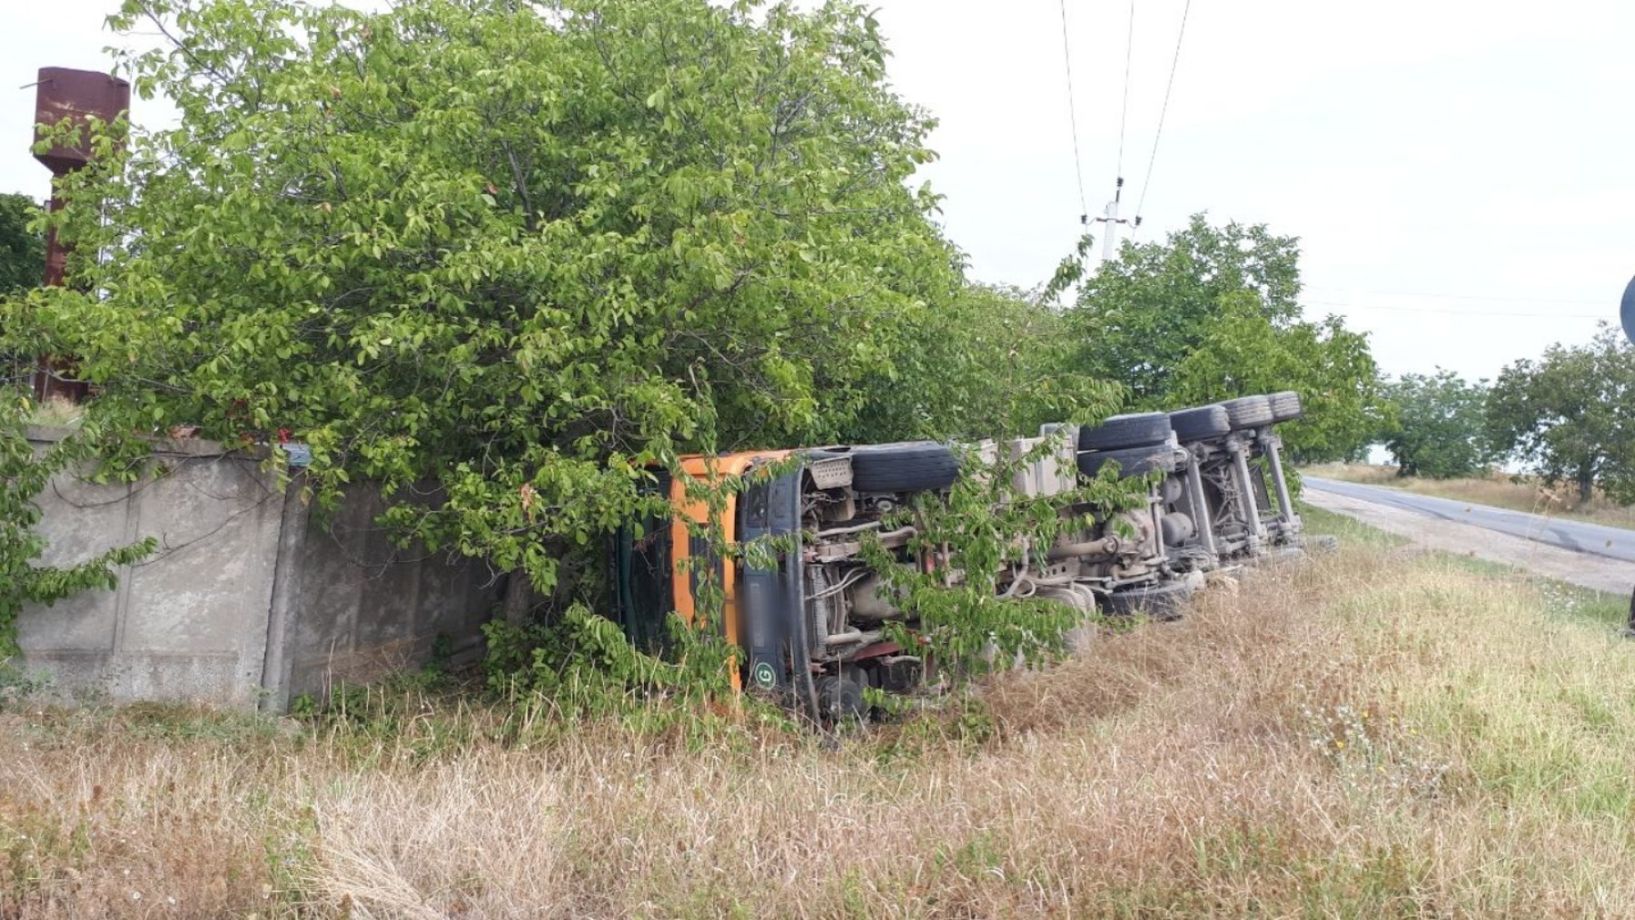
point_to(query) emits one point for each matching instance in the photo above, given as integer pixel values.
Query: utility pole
(1109, 239)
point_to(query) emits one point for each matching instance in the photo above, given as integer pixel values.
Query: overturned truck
(811, 616)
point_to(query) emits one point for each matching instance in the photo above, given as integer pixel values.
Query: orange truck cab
(811, 625)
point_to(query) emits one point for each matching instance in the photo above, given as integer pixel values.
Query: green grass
(1348, 530)
(1377, 731)
(1559, 598)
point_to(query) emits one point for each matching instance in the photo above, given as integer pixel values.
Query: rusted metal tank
(77, 95)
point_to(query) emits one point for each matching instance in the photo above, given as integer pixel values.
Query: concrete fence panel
(252, 597)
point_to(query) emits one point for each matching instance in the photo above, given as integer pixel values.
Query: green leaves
(499, 258)
(1144, 312)
(978, 361)
(24, 474)
(1437, 425)
(464, 248)
(1212, 313)
(1571, 415)
(22, 248)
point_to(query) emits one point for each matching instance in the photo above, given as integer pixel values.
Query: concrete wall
(252, 598)
(348, 605)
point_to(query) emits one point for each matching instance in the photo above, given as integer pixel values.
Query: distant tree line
(1568, 417)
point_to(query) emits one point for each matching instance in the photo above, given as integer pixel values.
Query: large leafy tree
(991, 361)
(1213, 312)
(1147, 310)
(1438, 425)
(22, 251)
(513, 250)
(1330, 366)
(1570, 415)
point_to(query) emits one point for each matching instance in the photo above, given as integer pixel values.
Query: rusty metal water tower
(75, 96)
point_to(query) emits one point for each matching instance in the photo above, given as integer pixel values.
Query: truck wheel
(1285, 406)
(1121, 431)
(1200, 423)
(1162, 601)
(911, 466)
(1132, 461)
(1248, 412)
(840, 700)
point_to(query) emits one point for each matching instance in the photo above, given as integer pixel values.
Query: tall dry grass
(1496, 488)
(1374, 732)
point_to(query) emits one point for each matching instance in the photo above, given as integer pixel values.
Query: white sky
(1461, 174)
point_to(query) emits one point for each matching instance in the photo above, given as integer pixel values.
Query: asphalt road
(1612, 542)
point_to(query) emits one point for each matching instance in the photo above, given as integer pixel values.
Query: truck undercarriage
(814, 618)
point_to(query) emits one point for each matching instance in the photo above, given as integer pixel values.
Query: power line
(1162, 112)
(1073, 116)
(1476, 297)
(1474, 314)
(1124, 109)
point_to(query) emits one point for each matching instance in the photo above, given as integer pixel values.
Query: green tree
(22, 251)
(1212, 313)
(1142, 313)
(1438, 427)
(511, 251)
(989, 361)
(1570, 416)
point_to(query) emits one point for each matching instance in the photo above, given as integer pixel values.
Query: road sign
(1629, 310)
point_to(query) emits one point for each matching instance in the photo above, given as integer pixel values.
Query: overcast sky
(1461, 174)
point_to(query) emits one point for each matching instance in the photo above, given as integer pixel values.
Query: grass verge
(1375, 731)
(1559, 598)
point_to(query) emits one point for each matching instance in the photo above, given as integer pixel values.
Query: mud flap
(772, 601)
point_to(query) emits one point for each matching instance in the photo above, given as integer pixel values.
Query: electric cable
(1476, 297)
(1475, 314)
(1124, 109)
(1163, 111)
(1073, 116)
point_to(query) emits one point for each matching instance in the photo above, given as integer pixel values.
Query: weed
(1374, 732)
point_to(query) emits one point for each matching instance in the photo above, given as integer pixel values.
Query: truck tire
(910, 466)
(1161, 601)
(1132, 461)
(1200, 423)
(1285, 406)
(840, 699)
(1248, 412)
(1138, 430)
